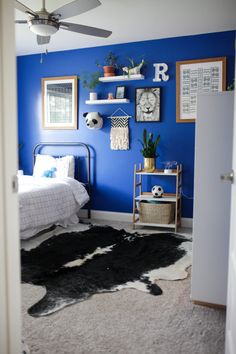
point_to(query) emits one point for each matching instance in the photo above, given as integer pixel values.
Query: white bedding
(47, 201)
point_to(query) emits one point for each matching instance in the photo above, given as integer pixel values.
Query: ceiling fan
(45, 24)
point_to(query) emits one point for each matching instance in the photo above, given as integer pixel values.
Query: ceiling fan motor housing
(43, 26)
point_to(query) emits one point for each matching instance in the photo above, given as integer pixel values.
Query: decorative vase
(93, 96)
(149, 164)
(109, 71)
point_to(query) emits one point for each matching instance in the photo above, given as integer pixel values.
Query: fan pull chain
(41, 57)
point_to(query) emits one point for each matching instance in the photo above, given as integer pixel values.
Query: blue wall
(113, 170)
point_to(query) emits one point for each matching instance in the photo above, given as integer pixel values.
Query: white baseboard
(125, 217)
(187, 222)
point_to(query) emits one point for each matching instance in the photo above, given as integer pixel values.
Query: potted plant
(89, 82)
(169, 166)
(149, 151)
(110, 65)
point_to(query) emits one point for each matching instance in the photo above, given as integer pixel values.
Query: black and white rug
(74, 266)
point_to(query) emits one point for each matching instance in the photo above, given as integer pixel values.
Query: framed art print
(147, 104)
(195, 77)
(59, 101)
(120, 92)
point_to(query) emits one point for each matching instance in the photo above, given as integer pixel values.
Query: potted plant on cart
(110, 65)
(148, 151)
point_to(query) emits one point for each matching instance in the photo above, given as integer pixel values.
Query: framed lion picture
(147, 104)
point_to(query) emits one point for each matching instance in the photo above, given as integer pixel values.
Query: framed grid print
(195, 77)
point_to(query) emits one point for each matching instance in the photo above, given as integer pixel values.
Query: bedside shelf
(114, 101)
(121, 78)
(139, 223)
(167, 197)
(157, 172)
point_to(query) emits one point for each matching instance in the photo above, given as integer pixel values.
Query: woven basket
(156, 213)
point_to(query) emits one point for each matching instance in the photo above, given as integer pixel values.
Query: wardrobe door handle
(228, 177)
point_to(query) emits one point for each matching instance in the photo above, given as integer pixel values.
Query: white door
(213, 156)
(231, 297)
(9, 229)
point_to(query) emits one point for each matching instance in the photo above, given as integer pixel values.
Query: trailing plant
(231, 86)
(90, 80)
(149, 146)
(110, 60)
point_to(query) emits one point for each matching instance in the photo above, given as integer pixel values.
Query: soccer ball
(157, 191)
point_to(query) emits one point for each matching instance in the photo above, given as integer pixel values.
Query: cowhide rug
(74, 266)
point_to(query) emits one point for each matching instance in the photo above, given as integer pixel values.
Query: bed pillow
(64, 166)
(42, 164)
(71, 160)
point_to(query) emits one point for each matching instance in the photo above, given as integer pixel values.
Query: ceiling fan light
(43, 27)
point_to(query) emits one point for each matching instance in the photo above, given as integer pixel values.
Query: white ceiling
(132, 20)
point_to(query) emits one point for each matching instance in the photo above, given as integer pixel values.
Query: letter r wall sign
(160, 72)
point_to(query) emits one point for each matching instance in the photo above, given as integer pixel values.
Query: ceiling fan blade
(20, 21)
(43, 40)
(21, 7)
(75, 8)
(91, 31)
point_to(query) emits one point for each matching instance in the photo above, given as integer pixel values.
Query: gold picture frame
(59, 102)
(194, 77)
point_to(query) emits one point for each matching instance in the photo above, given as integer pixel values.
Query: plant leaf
(141, 143)
(149, 146)
(145, 137)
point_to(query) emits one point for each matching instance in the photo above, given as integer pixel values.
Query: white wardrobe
(213, 157)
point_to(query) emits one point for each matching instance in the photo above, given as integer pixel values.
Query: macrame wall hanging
(119, 135)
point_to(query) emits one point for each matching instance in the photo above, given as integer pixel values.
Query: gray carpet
(126, 322)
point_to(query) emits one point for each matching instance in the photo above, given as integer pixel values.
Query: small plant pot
(149, 164)
(168, 171)
(93, 96)
(109, 71)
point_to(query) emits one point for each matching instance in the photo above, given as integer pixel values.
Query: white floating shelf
(114, 101)
(121, 78)
(165, 198)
